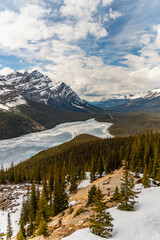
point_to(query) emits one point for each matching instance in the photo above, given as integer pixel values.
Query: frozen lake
(21, 148)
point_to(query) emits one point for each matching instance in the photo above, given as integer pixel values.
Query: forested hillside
(126, 124)
(84, 153)
(88, 153)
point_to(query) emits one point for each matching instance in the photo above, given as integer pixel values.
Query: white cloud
(79, 9)
(85, 23)
(107, 2)
(156, 28)
(145, 39)
(21, 3)
(114, 14)
(29, 33)
(89, 76)
(23, 29)
(6, 70)
(83, 28)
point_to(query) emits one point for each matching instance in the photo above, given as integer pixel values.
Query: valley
(126, 124)
(79, 120)
(20, 149)
(82, 156)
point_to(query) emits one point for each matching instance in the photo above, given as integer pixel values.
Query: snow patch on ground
(88, 175)
(84, 183)
(83, 234)
(14, 211)
(142, 224)
(72, 203)
(3, 107)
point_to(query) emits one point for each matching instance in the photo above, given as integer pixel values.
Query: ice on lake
(21, 148)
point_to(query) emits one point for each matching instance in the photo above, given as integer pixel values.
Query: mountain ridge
(148, 101)
(17, 87)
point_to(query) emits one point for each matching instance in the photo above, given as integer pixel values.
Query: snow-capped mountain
(152, 94)
(144, 94)
(118, 96)
(18, 87)
(129, 99)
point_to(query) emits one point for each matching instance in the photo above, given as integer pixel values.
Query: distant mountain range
(17, 88)
(143, 101)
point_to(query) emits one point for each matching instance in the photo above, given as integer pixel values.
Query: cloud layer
(99, 47)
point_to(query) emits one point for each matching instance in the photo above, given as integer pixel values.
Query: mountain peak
(17, 87)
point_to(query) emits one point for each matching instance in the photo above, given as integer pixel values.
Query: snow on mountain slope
(144, 94)
(142, 224)
(18, 87)
(3, 107)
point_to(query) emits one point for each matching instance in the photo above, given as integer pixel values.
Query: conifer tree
(60, 197)
(11, 177)
(16, 176)
(42, 228)
(91, 194)
(30, 229)
(156, 162)
(93, 170)
(32, 210)
(73, 187)
(150, 166)
(26, 207)
(2, 177)
(20, 235)
(45, 188)
(139, 152)
(101, 222)
(100, 165)
(115, 195)
(126, 198)
(133, 162)
(73, 178)
(33, 203)
(50, 184)
(145, 179)
(43, 209)
(146, 153)
(22, 232)
(137, 172)
(9, 228)
(1, 235)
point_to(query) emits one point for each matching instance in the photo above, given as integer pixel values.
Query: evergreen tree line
(144, 155)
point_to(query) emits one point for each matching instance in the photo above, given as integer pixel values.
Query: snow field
(142, 224)
(14, 213)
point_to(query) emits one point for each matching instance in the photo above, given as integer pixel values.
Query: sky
(98, 47)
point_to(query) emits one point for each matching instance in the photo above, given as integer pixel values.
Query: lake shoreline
(21, 148)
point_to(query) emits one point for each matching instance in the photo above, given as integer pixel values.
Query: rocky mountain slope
(18, 87)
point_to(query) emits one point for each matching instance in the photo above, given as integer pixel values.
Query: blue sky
(98, 47)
